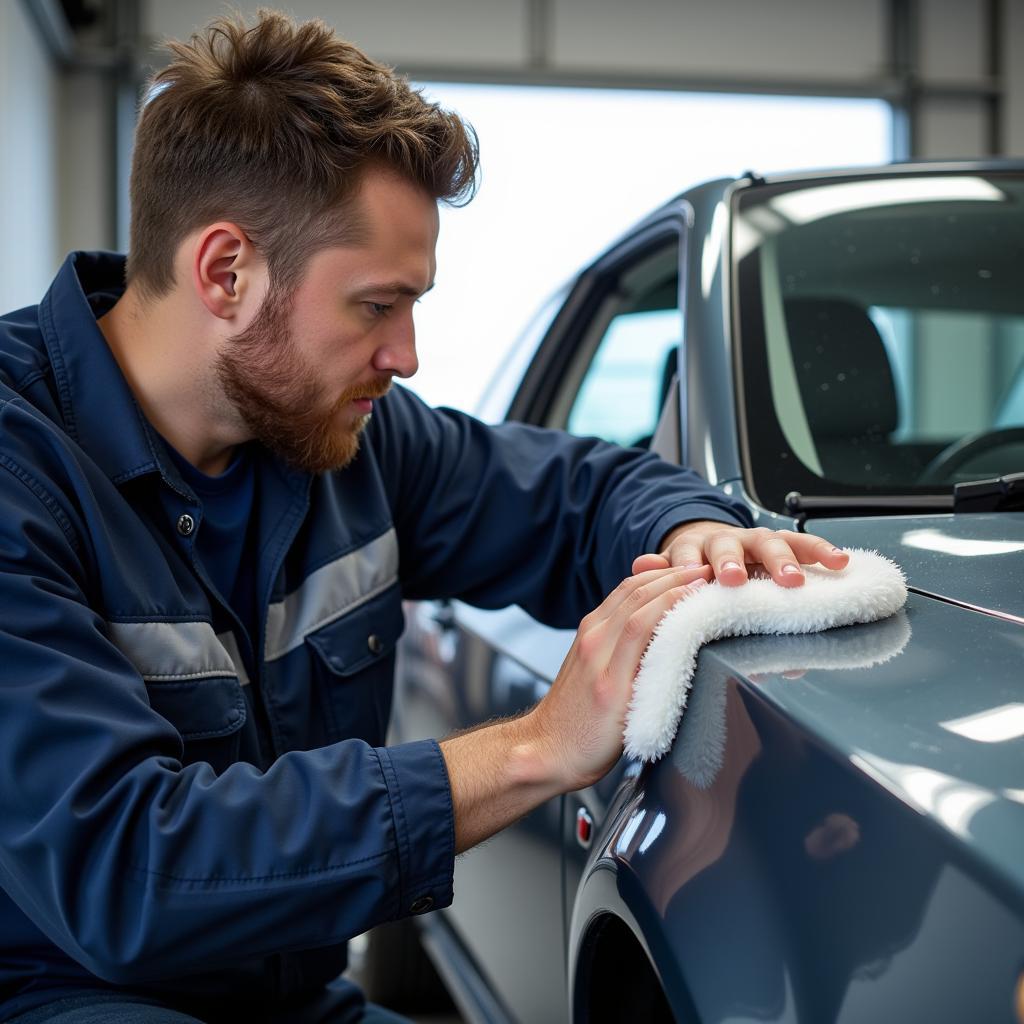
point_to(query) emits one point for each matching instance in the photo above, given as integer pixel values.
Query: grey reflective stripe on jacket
(330, 592)
(177, 651)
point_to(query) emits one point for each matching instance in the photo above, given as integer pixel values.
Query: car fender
(610, 889)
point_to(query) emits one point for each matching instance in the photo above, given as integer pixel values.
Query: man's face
(303, 375)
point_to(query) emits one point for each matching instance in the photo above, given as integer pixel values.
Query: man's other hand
(580, 721)
(730, 552)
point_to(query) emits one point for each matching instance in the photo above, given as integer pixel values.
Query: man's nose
(398, 353)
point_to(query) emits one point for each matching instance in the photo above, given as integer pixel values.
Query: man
(214, 504)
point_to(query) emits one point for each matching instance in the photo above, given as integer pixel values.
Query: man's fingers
(727, 557)
(644, 563)
(811, 549)
(781, 552)
(661, 578)
(650, 589)
(784, 552)
(632, 640)
(732, 551)
(775, 552)
(603, 626)
(687, 555)
(586, 706)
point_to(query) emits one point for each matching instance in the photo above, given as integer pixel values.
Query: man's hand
(574, 734)
(729, 551)
(582, 717)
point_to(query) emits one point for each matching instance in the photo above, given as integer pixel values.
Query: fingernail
(730, 565)
(789, 569)
(838, 551)
(698, 583)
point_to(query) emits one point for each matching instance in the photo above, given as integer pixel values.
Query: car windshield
(881, 333)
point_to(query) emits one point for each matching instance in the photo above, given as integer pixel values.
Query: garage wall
(954, 53)
(830, 39)
(29, 89)
(457, 32)
(1012, 57)
(56, 191)
(787, 45)
(87, 193)
(745, 38)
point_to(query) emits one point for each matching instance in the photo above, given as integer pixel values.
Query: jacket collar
(99, 409)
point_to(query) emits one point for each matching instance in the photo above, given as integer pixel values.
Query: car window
(616, 386)
(882, 333)
(622, 393)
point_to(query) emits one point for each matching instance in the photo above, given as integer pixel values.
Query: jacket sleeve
(141, 868)
(514, 514)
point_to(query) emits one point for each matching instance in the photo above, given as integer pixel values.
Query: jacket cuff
(688, 512)
(421, 807)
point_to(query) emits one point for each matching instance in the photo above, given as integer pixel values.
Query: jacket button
(186, 524)
(422, 905)
(375, 643)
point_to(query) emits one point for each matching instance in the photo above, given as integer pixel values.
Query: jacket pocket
(208, 715)
(192, 681)
(353, 662)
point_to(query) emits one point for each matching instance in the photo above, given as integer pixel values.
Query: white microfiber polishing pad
(699, 749)
(871, 587)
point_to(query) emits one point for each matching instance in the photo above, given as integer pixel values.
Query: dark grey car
(838, 831)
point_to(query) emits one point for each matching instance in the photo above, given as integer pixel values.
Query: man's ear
(226, 272)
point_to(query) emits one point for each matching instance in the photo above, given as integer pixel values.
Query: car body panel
(793, 888)
(977, 559)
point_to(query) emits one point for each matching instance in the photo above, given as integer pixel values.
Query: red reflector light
(584, 827)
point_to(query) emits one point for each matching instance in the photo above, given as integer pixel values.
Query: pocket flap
(200, 708)
(359, 638)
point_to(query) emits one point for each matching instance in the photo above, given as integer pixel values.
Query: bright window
(565, 171)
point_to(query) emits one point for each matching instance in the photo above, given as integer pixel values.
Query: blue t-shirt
(225, 542)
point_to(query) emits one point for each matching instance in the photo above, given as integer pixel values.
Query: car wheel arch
(613, 956)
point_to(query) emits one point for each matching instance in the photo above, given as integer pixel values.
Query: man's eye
(379, 308)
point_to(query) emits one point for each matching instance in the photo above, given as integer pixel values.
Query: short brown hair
(270, 126)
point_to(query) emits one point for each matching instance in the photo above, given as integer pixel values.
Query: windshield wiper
(802, 505)
(997, 494)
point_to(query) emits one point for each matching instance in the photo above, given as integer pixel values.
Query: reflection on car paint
(953, 801)
(700, 745)
(967, 547)
(654, 830)
(634, 823)
(996, 725)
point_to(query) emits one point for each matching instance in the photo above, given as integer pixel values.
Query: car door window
(622, 393)
(617, 384)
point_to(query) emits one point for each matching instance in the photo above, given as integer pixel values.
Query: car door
(617, 370)
(603, 369)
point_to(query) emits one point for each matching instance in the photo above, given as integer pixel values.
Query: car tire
(398, 974)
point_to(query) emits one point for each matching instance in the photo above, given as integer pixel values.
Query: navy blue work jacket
(172, 821)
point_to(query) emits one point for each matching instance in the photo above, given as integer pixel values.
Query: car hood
(929, 702)
(975, 559)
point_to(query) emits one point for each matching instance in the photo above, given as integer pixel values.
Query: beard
(280, 396)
